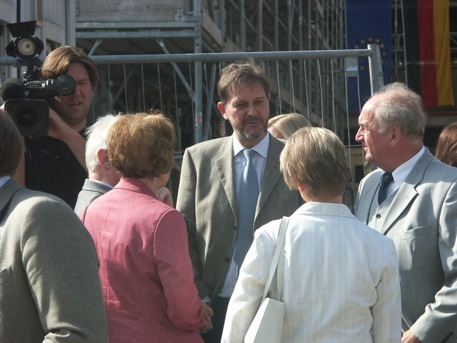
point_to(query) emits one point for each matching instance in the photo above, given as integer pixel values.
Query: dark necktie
(247, 203)
(386, 179)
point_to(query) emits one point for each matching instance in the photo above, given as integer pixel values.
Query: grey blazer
(207, 196)
(421, 218)
(91, 190)
(49, 285)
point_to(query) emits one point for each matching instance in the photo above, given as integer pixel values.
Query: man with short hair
(102, 176)
(55, 163)
(412, 198)
(231, 186)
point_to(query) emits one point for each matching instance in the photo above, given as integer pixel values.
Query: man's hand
(207, 315)
(59, 129)
(164, 195)
(409, 337)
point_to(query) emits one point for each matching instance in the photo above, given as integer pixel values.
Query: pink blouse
(145, 269)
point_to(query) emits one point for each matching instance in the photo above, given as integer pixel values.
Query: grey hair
(97, 137)
(400, 107)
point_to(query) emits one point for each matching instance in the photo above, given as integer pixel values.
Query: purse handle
(275, 267)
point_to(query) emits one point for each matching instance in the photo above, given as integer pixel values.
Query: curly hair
(141, 145)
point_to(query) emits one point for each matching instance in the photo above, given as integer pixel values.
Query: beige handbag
(267, 323)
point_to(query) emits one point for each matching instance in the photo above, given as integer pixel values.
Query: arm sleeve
(387, 309)
(440, 317)
(61, 265)
(248, 292)
(171, 255)
(186, 205)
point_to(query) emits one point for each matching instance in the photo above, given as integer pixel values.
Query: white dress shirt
(341, 280)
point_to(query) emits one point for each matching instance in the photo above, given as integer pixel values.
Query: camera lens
(28, 117)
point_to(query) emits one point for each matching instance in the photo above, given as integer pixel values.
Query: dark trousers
(219, 306)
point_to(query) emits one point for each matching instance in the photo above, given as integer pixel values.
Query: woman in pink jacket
(145, 269)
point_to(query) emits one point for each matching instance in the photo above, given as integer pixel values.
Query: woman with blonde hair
(340, 277)
(283, 126)
(145, 269)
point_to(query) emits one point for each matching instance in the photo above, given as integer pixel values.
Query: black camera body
(27, 100)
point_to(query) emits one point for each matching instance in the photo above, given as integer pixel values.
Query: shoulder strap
(277, 255)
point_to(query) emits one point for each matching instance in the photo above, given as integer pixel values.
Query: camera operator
(55, 163)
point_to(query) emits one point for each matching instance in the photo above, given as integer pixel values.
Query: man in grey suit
(211, 179)
(416, 206)
(102, 176)
(49, 284)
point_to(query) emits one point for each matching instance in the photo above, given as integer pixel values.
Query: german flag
(427, 45)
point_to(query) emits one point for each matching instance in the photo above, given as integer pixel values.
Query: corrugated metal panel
(53, 11)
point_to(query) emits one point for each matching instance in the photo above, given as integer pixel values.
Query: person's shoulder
(212, 144)
(26, 197)
(41, 212)
(373, 238)
(441, 171)
(209, 149)
(375, 174)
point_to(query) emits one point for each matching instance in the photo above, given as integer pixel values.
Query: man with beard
(231, 186)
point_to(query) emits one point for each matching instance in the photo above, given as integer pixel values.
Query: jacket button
(378, 216)
(227, 260)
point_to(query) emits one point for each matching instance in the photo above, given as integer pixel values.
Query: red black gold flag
(427, 45)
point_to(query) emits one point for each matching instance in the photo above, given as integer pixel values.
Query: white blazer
(341, 280)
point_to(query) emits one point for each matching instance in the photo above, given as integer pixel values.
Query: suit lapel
(225, 170)
(272, 173)
(406, 193)
(369, 199)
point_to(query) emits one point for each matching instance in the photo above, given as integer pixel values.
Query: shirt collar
(4, 179)
(261, 148)
(401, 173)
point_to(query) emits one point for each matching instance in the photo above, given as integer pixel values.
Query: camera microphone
(12, 89)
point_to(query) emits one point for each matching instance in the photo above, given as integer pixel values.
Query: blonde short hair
(316, 158)
(287, 124)
(141, 145)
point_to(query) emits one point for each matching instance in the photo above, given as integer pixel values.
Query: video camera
(26, 100)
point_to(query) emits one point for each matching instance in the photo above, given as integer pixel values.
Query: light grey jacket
(91, 190)
(421, 218)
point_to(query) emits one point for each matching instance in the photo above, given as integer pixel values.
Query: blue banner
(368, 22)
